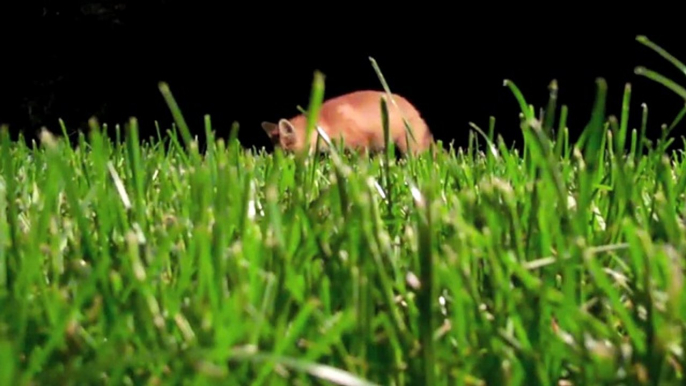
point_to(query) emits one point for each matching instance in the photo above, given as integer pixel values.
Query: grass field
(151, 262)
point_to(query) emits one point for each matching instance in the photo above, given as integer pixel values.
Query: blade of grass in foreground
(592, 147)
(178, 118)
(541, 153)
(661, 79)
(387, 153)
(423, 201)
(316, 100)
(9, 258)
(662, 52)
(549, 114)
(624, 122)
(327, 373)
(408, 128)
(136, 171)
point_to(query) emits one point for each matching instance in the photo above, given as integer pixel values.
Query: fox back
(356, 119)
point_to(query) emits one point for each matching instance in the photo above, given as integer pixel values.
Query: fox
(356, 118)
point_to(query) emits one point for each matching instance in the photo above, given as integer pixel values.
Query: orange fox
(356, 117)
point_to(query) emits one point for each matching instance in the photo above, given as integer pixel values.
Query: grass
(151, 262)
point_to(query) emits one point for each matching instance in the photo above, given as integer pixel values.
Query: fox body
(356, 118)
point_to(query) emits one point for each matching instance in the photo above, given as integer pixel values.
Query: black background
(249, 62)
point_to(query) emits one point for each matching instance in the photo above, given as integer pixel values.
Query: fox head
(282, 134)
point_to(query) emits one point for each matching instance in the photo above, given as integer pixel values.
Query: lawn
(138, 261)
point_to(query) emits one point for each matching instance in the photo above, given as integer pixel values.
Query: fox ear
(286, 128)
(270, 128)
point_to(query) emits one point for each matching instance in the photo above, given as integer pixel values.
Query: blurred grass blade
(662, 52)
(176, 113)
(408, 128)
(323, 372)
(658, 78)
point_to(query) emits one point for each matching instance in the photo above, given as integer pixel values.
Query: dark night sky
(79, 58)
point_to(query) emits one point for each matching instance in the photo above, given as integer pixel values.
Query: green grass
(145, 263)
